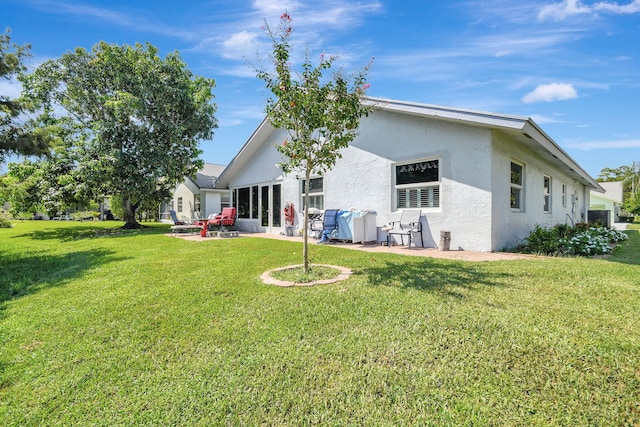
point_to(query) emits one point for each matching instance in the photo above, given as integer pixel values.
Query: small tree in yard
(320, 115)
(135, 119)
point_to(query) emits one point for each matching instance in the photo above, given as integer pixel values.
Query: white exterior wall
(513, 226)
(186, 190)
(210, 203)
(597, 202)
(262, 169)
(474, 166)
(364, 178)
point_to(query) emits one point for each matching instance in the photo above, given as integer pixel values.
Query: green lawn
(142, 329)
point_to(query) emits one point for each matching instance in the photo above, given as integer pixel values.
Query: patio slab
(377, 248)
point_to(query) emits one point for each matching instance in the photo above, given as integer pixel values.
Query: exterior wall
(513, 226)
(363, 178)
(474, 166)
(613, 191)
(262, 169)
(597, 202)
(210, 200)
(210, 203)
(611, 200)
(385, 139)
(186, 190)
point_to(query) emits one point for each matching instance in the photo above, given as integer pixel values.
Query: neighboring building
(610, 201)
(486, 178)
(197, 195)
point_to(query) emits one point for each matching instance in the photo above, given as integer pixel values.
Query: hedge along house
(197, 195)
(486, 178)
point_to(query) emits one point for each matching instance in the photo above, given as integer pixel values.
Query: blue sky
(571, 65)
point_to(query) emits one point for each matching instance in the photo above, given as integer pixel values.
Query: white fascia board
(250, 147)
(471, 117)
(533, 131)
(526, 126)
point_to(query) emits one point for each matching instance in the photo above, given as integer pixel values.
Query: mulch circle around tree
(266, 277)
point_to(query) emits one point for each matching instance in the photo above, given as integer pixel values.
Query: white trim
(547, 192)
(520, 187)
(419, 186)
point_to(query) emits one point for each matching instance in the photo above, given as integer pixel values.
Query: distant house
(610, 201)
(485, 178)
(196, 196)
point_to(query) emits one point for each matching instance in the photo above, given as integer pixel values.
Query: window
(246, 201)
(196, 202)
(517, 186)
(179, 204)
(277, 205)
(254, 201)
(418, 184)
(243, 202)
(547, 193)
(316, 193)
(564, 195)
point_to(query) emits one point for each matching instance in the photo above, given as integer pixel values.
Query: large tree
(136, 118)
(17, 136)
(319, 113)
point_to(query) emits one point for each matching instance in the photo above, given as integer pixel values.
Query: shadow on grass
(86, 231)
(449, 278)
(27, 274)
(629, 251)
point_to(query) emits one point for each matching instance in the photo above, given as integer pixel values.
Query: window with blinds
(418, 184)
(420, 197)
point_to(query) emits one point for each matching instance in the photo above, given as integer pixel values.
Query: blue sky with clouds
(571, 65)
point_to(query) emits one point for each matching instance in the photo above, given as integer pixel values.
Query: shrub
(85, 215)
(547, 241)
(5, 220)
(581, 239)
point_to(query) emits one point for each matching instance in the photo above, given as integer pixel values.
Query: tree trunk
(129, 210)
(305, 230)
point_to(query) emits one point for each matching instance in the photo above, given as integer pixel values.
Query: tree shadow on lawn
(629, 251)
(436, 276)
(26, 275)
(77, 232)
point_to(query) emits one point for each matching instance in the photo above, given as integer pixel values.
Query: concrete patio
(377, 248)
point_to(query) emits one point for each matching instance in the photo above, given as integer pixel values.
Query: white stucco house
(486, 178)
(610, 201)
(197, 195)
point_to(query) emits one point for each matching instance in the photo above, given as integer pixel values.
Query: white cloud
(273, 8)
(551, 92)
(567, 8)
(240, 45)
(559, 11)
(631, 8)
(595, 145)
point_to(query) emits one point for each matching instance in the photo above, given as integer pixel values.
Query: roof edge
(450, 113)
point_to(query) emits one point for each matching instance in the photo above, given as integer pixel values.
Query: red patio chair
(226, 219)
